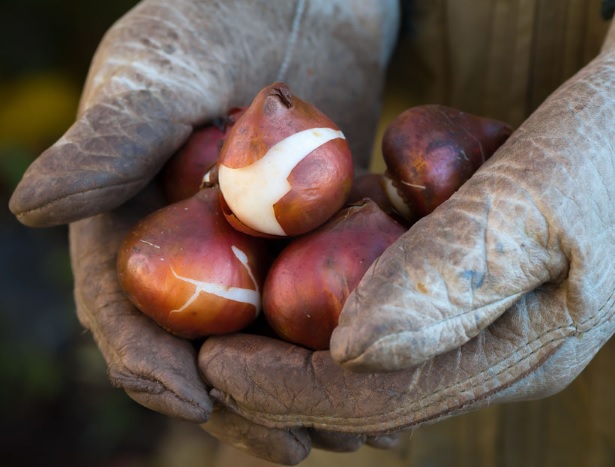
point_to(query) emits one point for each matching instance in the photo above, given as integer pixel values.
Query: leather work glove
(504, 293)
(163, 69)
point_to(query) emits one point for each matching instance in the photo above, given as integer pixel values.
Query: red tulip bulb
(310, 280)
(374, 186)
(185, 267)
(431, 150)
(186, 171)
(285, 167)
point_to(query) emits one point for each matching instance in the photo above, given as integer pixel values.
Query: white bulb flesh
(237, 294)
(398, 203)
(252, 191)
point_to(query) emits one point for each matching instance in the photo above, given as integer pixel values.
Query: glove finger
(287, 447)
(155, 368)
(384, 441)
(336, 441)
(521, 221)
(281, 446)
(107, 156)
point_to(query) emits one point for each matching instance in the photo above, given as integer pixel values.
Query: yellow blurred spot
(394, 102)
(37, 109)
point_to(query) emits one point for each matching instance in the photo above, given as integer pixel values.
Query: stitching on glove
(136, 383)
(292, 40)
(317, 421)
(604, 313)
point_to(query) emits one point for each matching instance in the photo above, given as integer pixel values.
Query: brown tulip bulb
(310, 280)
(431, 150)
(186, 268)
(375, 187)
(186, 171)
(285, 167)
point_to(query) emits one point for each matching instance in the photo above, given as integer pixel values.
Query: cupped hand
(504, 293)
(163, 69)
(159, 370)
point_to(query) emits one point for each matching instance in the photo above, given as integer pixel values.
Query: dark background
(57, 407)
(56, 404)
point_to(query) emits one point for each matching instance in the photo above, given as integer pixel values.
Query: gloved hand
(504, 293)
(164, 68)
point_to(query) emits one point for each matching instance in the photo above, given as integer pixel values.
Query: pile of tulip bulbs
(266, 218)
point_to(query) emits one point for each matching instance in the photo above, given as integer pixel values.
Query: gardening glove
(157, 369)
(163, 69)
(504, 293)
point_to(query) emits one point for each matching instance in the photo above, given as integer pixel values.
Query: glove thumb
(537, 216)
(455, 271)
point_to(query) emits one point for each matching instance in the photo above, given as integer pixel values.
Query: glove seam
(317, 421)
(292, 40)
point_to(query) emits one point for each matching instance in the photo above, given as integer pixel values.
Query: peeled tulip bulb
(431, 150)
(285, 167)
(186, 268)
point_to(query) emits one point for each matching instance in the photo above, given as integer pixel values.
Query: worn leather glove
(504, 293)
(164, 68)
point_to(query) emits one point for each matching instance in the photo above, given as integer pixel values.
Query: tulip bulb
(310, 280)
(431, 150)
(375, 186)
(186, 268)
(187, 171)
(285, 167)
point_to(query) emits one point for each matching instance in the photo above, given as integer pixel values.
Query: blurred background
(56, 404)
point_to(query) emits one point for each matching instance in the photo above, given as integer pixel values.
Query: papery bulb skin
(310, 280)
(375, 186)
(399, 205)
(285, 167)
(431, 150)
(186, 268)
(185, 172)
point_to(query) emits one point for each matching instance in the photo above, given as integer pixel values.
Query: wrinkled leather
(158, 370)
(537, 218)
(155, 368)
(161, 70)
(504, 293)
